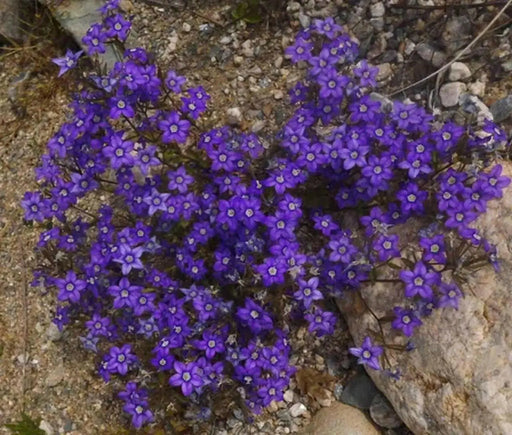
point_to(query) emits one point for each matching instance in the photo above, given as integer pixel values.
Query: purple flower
(254, 317)
(300, 50)
(308, 292)
(378, 171)
(120, 359)
(341, 249)
(387, 247)
(212, 344)
(321, 322)
(179, 180)
(354, 154)
(434, 249)
(69, 61)
(419, 281)
(187, 377)
(70, 287)
(117, 26)
(367, 74)
(272, 271)
(139, 412)
(33, 205)
(405, 320)
(174, 128)
(327, 27)
(129, 258)
(174, 82)
(367, 354)
(450, 295)
(94, 39)
(119, 151)
(411, 198)
(332, 85)
(271, 390)
(124, 293)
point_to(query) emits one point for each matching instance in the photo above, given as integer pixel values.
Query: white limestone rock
(451, 92)
(459, 71)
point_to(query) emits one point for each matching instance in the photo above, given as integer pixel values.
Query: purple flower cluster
(207, 246)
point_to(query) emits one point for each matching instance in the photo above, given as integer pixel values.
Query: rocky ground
(46, 373)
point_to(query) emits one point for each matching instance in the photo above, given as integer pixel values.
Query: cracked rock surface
(458, 380)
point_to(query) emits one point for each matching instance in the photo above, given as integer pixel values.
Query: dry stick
(460, 54)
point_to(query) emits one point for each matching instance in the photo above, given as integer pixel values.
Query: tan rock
(459, 378)
(340, 419)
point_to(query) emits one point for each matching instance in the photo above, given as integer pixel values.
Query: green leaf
(25, 426)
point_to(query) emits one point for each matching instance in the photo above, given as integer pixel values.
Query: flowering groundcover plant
(187, 255)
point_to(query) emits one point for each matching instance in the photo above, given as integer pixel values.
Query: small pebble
(278, 95)
(53, 333)
(234, 116)
(46, 427)
(459, 71)
(377, 10)
(297, 410)
(451, 92)
(186, 27)
(288, 396)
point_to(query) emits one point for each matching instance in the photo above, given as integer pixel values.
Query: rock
(477, 88)
(278, 94)
(9, 20)
(386, 103)
(53, 333)
(507, 66)
(340, 419)
(304, 20)
(238, 60)
(55, 377)
(297, 410)
(234, 116)
(225, 40)
(76, 16)
(46, 427)
(459, 71)
(288, 396)
(383, 413)
(457, 33)
(458, 380)
(502, 109)
(377, 23)
(450, 93)
(430, 54)
(258, 126)
(186, 27)
(359, 391)
(293, 7)
(338, 391)
(247, 49)
(474, 105)
(377, 10)
(385, 72)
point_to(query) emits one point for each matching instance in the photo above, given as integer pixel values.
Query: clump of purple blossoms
(205, 246)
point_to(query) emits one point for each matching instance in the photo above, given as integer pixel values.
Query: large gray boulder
(76, 16)
(458, 380)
